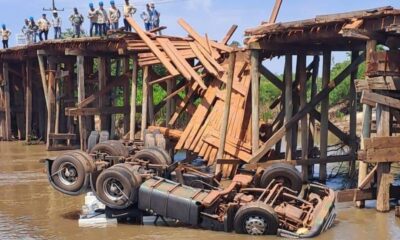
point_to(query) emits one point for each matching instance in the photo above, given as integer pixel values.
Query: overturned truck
(139, 181)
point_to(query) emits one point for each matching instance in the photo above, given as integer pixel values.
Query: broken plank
(229, 34)
(167, 64)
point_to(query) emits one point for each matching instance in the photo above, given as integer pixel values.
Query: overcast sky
(213, 17)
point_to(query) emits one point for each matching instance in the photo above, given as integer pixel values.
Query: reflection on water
(31, 209)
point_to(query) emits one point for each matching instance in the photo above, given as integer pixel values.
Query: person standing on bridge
(154, 16)
(77, 20)
(5, 35)
(102, 19)
(56, 23)
(146, 19)
(33, 27)
(93, 20)
(129, 10)
(44, 26)
(114, 16)
(27, 32)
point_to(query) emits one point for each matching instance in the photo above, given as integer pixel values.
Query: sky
(213, 17)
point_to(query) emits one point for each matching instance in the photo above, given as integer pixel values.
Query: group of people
(101, 20)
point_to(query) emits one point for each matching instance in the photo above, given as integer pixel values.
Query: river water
(31, 209)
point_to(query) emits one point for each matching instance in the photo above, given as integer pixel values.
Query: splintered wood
(203, 64)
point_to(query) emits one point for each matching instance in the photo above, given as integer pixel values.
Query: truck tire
(167, 157)
(117, 187)
(152, 155)
(111, 148)
(69, 171)
(283, 173)
(256, 218)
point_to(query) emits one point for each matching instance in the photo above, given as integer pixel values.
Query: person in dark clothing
(5, 35)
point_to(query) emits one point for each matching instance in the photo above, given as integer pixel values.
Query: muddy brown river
(31, 209)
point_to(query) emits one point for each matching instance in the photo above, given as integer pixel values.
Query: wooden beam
(383, 198)
(363, 184)
(42, 67)
(326, 75)
(255, 99)
(378, 83)
(167, 64)
(288, 77)
(28, 101)
(225, 117)
(135, 71)
(302, 62)
(271, 77)
(145, 101)
(7, 106)
(80, 60)
(207, 65)
(373, 99)
(229, 34)
(275, 11)
(353, 115)
(345, 138)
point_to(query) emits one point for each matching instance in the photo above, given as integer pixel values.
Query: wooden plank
(275, 11)
(28, 101)
(229, 34)
(171, 69)
(80, 63)
(383, 198)
(302, 62)
(255, 99)
(7, 106)
(207, 65)
(192, 73)
(95, 111)
(227, 108)
(145, 101)
(135, 70)
(345, 138)
(326, 75)
(63, 136)
(351, 195)
(374, 98)
(362, 185)
(209, 58)
(268, 145)
(381, 142)
(288, 77)
(271, 77)
(51, 105)
(182, 105)
(383, 155)
(42, 68)
(378, 83)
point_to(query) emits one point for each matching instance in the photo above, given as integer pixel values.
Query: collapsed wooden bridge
(62, 90)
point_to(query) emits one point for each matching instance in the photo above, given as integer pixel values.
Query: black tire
(167, 157)
(117, 187)
(284, 173)
(256, 218)
(152, 155)
(69, 171)
(111, 148)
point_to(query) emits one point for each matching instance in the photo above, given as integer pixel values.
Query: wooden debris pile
(204, 66)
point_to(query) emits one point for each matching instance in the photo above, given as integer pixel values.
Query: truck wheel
(117, 187)
(256, 218)
(152, 155)
(111, 148)
(167, 157)
(69, 171)
(282, 173)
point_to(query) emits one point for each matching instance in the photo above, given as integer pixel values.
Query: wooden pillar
(312, 126)
(255, 100)
(366, 124)
(80, 64)
(225, 118)
(302, 61)
(51, 105)
(135, 71)
(150, 103)
(353, 116)
(126, 95)
(288, 103)
(102, 71)
(7, 106)
(28, 101)
(145, 101)
(326, 75)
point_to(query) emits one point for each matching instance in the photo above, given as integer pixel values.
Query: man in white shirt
(93, 20)
(5, 34)
(102, 19)
(114, 16)
(146, 19)
(76, 20)
(56, 23)
(129, 10)
(44, 26)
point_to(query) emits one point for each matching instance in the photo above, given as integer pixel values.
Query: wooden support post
(313, 127)
(80, 64)
(288, 104)
(366, 124)
(150, 93)
(383, 197)
(353, 116)
(51, 105)
(255, 99)
(225, 118)
(28, 101)
(69, 94)
(302, 61)
(7, 106)
(169, 110)
(102, 71)
(145, 101)
(326, 75)
(135, 71)
(126, 95)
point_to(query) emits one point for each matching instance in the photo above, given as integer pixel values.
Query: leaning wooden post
(7, 106)
(126, 94)
(132, 123)
(80, 60)
(366, 124)
(255, 100)
(145, 101)
(51, 105)
(302, 61)
(288, 103)
(353, 115)
(28, 101)
(326, 75)
(227, 108)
